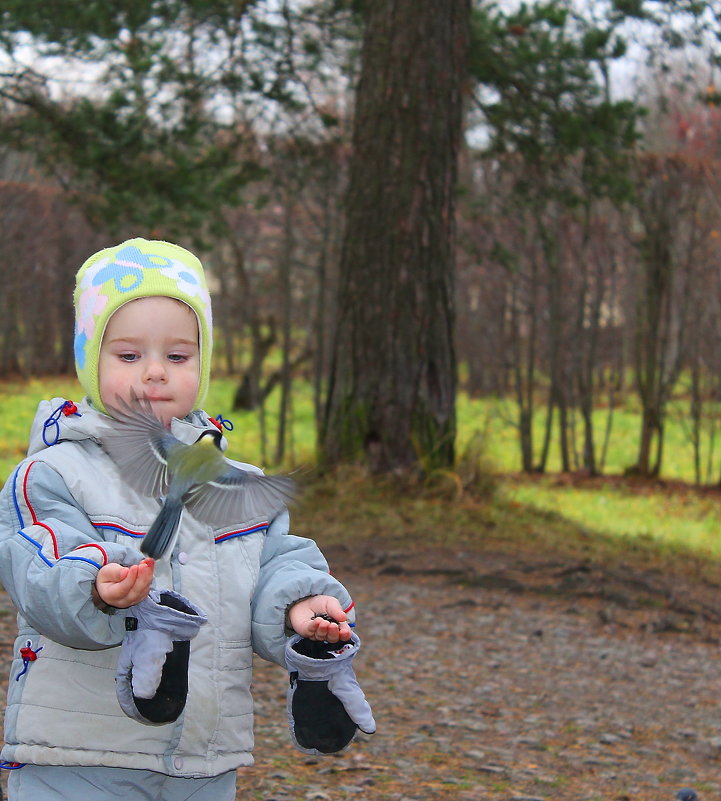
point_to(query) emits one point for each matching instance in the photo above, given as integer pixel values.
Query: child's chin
(162, 409)
(162, 412)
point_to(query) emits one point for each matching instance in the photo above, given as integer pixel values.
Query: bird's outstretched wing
(240, 495)
(139, 446)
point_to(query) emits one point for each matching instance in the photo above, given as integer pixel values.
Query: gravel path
(511, 695)
(499, 688)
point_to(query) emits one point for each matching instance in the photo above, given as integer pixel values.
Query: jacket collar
(56, 422)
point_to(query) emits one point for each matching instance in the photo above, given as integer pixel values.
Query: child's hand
(121, 586)
(306, 619)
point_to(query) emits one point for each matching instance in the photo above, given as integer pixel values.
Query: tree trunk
(391, 395)
(286, 303)
(251, 392)
(523, 325)
(548, 429)
(320, 322)
(587, 335)
(668, 192)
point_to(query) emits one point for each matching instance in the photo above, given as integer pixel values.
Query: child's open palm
(320, 617)
(121, 586)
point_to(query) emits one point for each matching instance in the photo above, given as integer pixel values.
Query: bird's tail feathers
(155, 543)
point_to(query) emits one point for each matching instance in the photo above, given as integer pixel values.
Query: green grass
(493, 418)
(676, 520)
(539, 512)
(18, 403)
(497, 420)
(672, 519)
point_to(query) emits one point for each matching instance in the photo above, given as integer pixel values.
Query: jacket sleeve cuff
(270, 629)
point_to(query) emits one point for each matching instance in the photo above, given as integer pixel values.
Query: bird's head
(199, 462)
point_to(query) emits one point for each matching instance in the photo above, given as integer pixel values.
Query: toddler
(70, 530)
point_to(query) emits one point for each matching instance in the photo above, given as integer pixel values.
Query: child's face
(150, 347)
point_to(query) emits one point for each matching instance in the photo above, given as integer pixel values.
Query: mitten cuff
(318, 668)
(168, 612)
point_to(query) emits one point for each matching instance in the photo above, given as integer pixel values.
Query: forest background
(465, 265)
(542, 298)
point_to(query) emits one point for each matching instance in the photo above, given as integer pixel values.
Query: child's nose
(155, 371)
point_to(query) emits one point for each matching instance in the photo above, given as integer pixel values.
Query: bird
(686, 794)
(197, 477)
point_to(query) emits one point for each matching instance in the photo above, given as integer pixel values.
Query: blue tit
(197, 476)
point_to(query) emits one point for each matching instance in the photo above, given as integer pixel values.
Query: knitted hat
(138, 268)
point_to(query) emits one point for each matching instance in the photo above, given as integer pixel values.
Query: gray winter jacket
(65, 512)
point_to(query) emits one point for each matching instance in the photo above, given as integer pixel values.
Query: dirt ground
(503, 678)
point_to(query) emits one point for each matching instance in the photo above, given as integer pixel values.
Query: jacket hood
(60, 420)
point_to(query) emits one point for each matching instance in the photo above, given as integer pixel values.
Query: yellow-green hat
(138, 268)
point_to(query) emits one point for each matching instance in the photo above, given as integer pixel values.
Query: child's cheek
(116, 384)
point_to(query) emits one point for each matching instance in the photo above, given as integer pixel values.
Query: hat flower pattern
(126, 269)
(90, 306)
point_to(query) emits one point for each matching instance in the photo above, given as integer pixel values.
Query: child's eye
(177, 357)
(128, 357)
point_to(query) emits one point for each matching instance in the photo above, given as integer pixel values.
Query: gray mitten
(151, 680)
(325, 702)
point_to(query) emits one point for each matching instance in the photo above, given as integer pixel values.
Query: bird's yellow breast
(199, 462)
